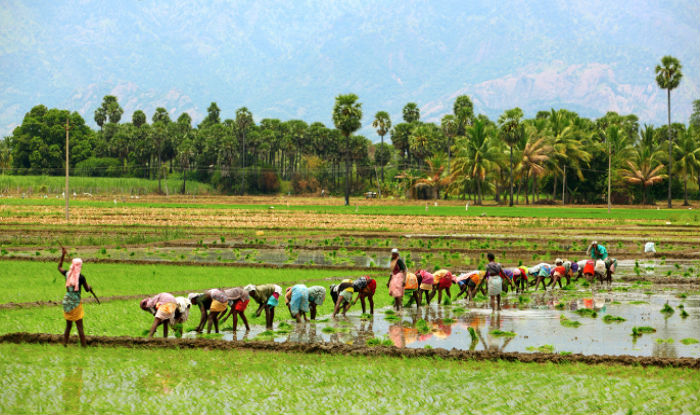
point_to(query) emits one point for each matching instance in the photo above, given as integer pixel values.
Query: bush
(99, 167)
(268, 181)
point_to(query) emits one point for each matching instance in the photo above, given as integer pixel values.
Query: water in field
(537, 326)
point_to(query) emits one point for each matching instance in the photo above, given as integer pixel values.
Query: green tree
(448, 124)
(463, 110)
(382, 123)
(138, 118)
(5, 155)
(687, 156)
(695, 116)
(244, 121)
(213, 115)
(476, 155)
(399, 138)
(411, 113)
(347, 116)
(422, 141)
(644, 168)
(511, 131)
(668, 77)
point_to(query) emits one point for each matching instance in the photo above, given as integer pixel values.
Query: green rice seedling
(392, 318)
(480, 297)
(613, 319)
(523, 299)
(427, 346)
(422, 327)
(546, 348)
(667, 309)
(329, 329)
(669, 340)
(284, 327)
(638, 302)
(560, 306)
(682, 295)
(684, 314)
(565, 353)
(458, 310)
(366, 316)
(448, 320)
(446, 301)
(586, 312)
(616, 302)
(473, 335)
(689, 340)
(499, 333)
(211, 336)
(585, 284)
(389, 312)
(638, 331)
(564, 321)
(374, 341)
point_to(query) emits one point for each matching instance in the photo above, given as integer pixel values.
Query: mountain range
(290, 59)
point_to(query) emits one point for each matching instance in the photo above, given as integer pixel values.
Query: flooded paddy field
(547, 322)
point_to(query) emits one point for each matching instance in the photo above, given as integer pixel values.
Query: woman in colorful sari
(317, 295)
(163, 307)
(398, 278)
(297, 299)
(72, 306)
(238, 299)
(365, 286)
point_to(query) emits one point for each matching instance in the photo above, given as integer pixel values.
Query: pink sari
(396, 285)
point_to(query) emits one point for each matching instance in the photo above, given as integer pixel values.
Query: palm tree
(668, 76)
(420, 142)
(617, 148)
(347, 114)
(475, 156)
(644, 169)
(687, 150)
(411, 113)
(449, 129)
(434, 179)
(382, 123)
(244, 120)
(568, 143)
(534, 152)
(510, 132)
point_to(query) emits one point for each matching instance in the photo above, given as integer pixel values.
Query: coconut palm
(434, 177)
(687, 155)
(644, 168)
(569, 144)
(476, 155)
(411, 113)
(534, 152)
(448, 124)
(668, 76)
(382, 123)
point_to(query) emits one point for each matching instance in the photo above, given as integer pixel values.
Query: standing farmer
(398, 278)
(72, 306)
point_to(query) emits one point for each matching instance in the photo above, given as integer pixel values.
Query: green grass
(638, 331)
(98, 185)
(40, 281)
(586, 312)
(116, 380)
(689, 340)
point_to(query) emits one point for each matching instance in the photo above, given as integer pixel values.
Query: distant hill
(290, 59)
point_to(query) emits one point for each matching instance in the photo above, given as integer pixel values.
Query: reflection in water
(664, 350)
(72, 389)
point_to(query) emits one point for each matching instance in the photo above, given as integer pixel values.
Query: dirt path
(344, 349)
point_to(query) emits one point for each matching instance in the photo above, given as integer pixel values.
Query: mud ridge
(352, 350)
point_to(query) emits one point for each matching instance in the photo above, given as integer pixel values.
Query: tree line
(557, 155)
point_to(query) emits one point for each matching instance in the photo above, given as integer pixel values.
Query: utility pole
(67, 169)
(609, 171)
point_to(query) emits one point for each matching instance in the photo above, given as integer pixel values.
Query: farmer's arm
(60, 262)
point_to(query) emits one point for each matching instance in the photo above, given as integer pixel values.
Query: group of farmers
(217, 305)
(497, 278)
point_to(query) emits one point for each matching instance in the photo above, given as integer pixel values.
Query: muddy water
(534, 326)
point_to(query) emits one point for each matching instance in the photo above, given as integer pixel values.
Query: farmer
(365, 287)
(495, 276)
(461, 281)
(163, 307)
(203, 301)
(520, 278)
(238, 300)
(410, 289)
(72, 305)
(397, 280)
(267, 296)
(558, 272)
(182, 313)
(426, 286)
(210, 302)
(317, 295)
(475, 282)
(442, 281)
(343, 297)
(597, 251)
(540, 272)
(297, 299)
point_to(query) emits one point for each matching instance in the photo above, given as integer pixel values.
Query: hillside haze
(290, 59)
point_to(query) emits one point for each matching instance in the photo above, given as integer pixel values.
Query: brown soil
(344, 349)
